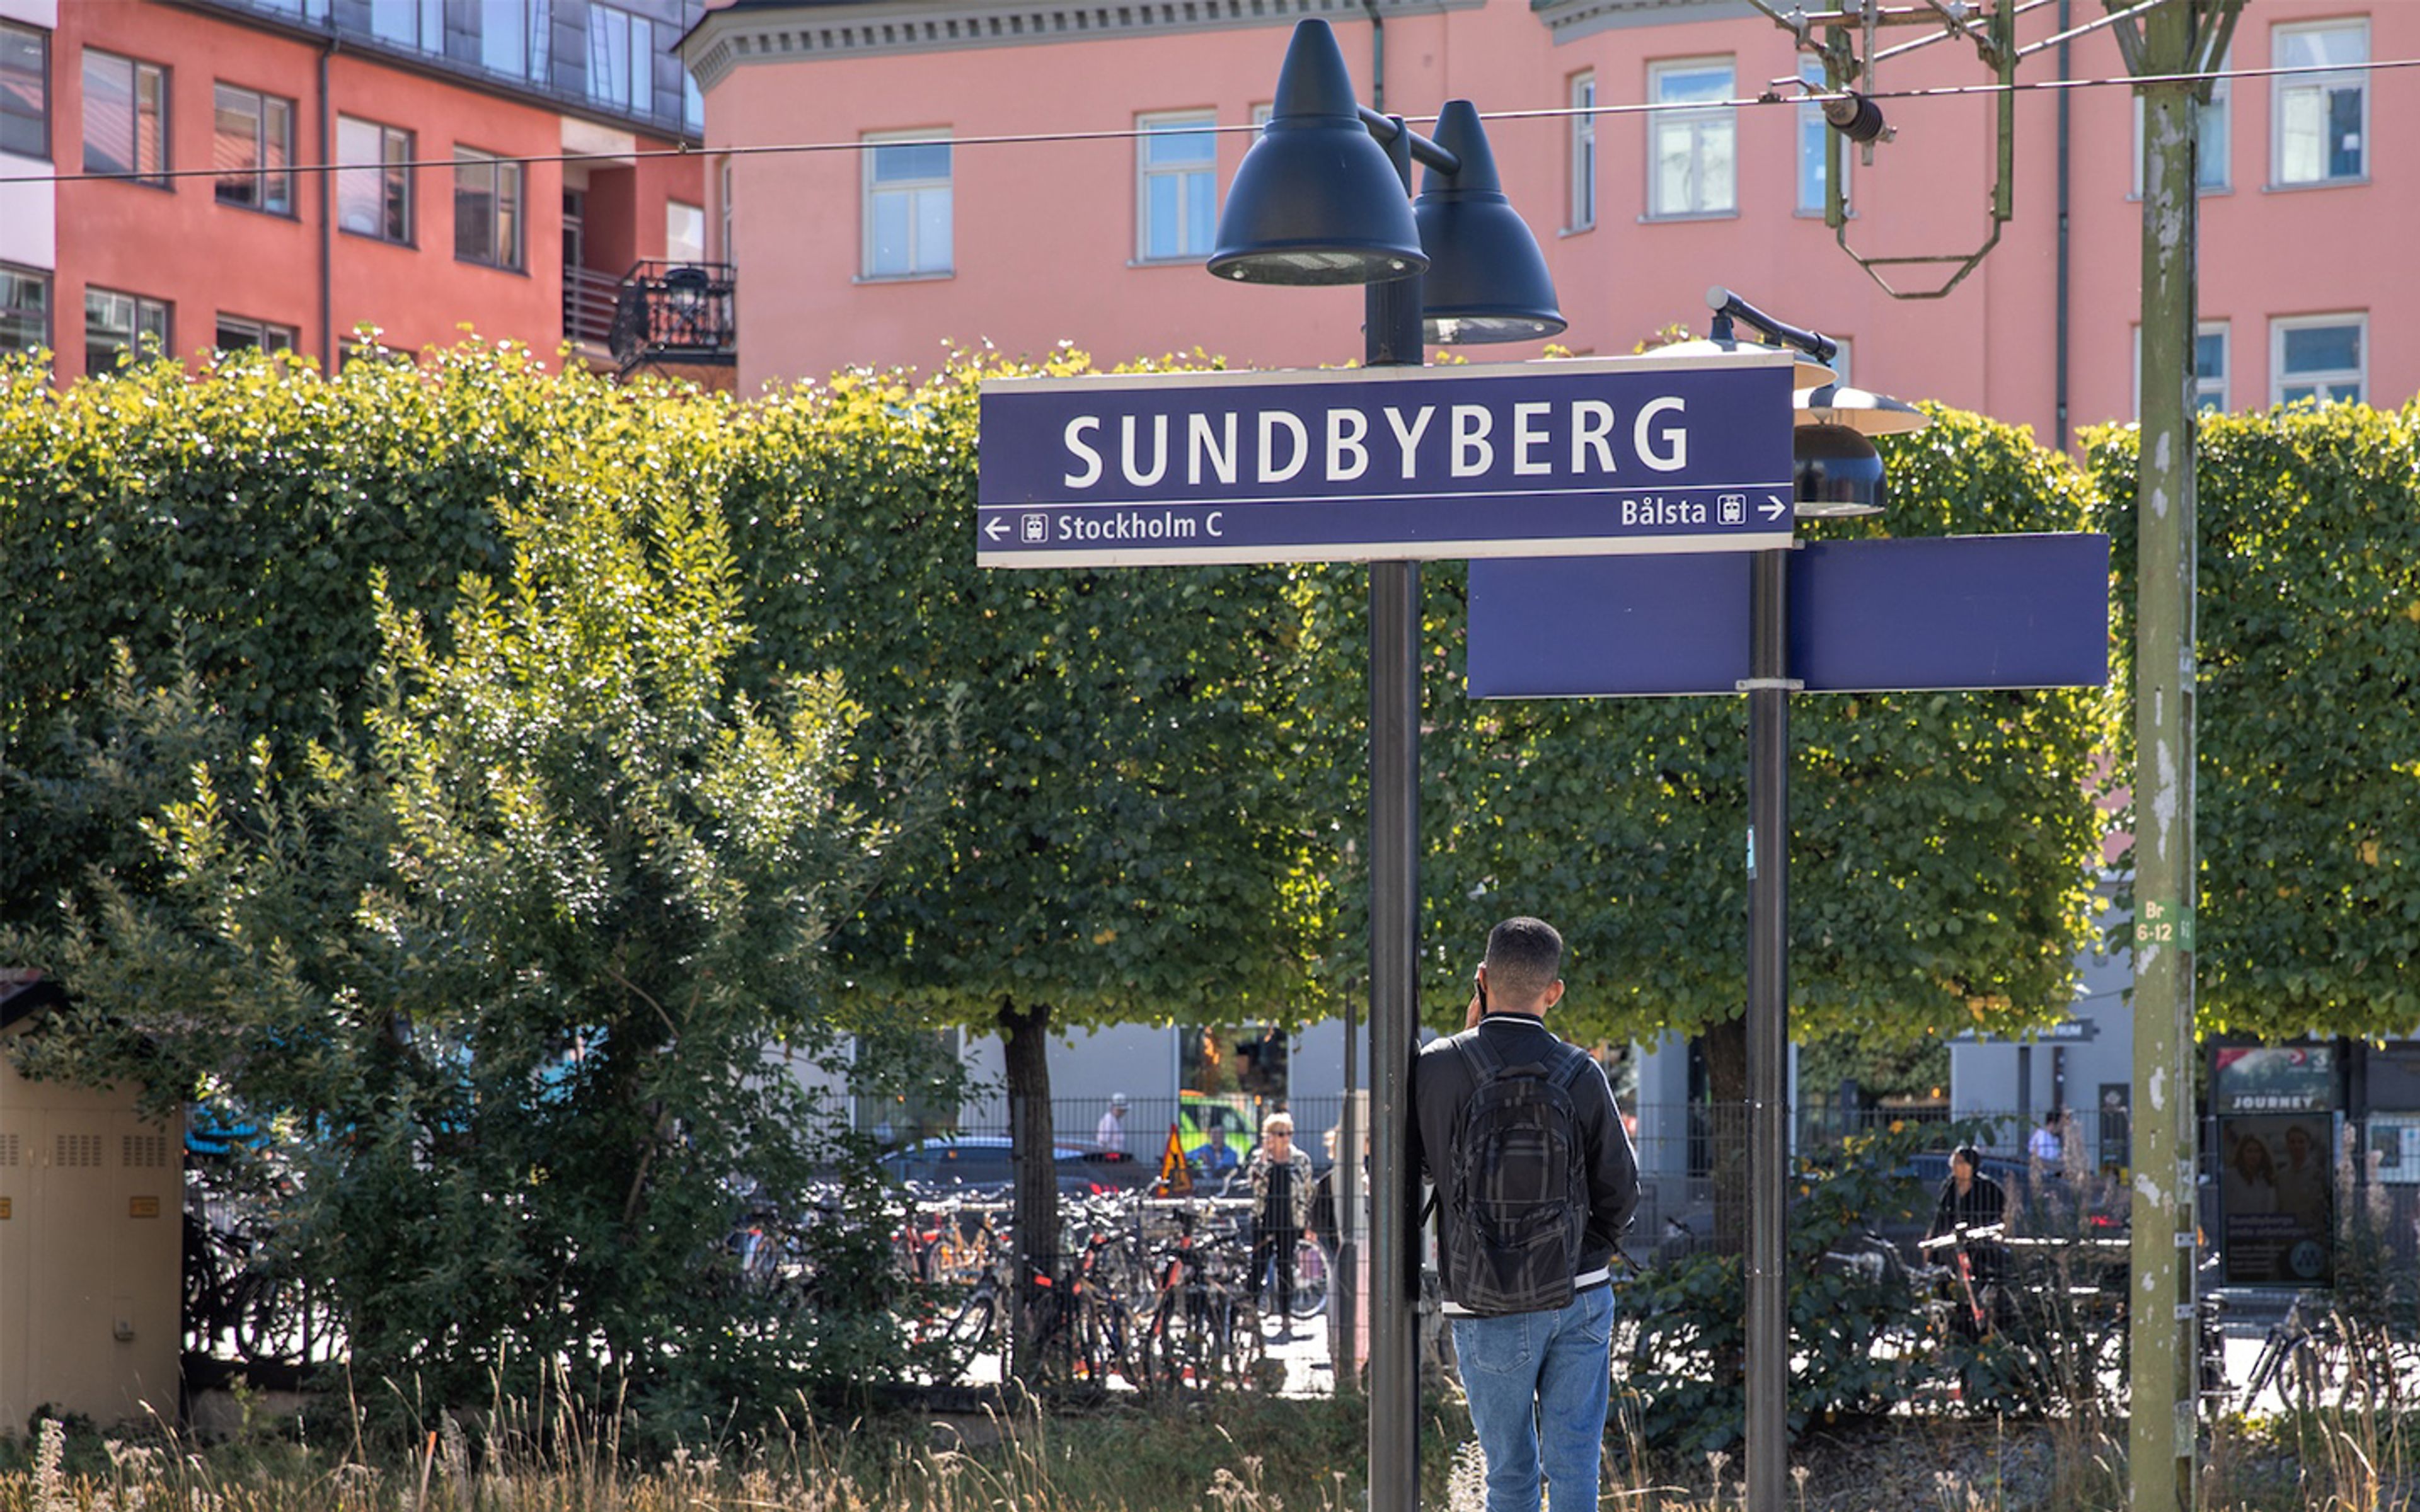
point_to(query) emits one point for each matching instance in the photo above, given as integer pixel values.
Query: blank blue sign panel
(1937, 612)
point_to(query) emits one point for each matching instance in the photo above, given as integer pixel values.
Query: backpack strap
(1575, 1061)
(1484, 1058)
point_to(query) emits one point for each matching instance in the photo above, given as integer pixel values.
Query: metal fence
(2084, 1192)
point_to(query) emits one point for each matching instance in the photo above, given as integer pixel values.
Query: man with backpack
(1535, 1181)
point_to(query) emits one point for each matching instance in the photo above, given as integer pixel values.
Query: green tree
(512, 978)
(2306, 612)
(1142, 829)
(1942, 848)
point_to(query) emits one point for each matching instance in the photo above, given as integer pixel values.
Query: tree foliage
(1942, 843)
(503, 971)
(1141, 829)
(2306, 622)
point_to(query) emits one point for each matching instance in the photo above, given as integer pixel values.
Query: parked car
(985, 1165)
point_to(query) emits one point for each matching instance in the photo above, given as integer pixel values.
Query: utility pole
(2180, 37)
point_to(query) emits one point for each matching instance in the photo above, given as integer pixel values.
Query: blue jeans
(1538, 1384)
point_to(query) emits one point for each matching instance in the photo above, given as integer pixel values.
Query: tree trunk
(1034, 1213)
(1725, 1049)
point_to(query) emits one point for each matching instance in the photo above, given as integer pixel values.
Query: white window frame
(921, 261)
(2209, 390)
(1193, 242)
(1582, 202)
(27, 92)
(145, 317)
(1817, 133)
(729, 249)
(506, 183)
(677, 213)
(623, 76)
(2284, 85)
(16, 318)
(2214, 122)
(141, 78)
(262, 187)
(265, 335)
(2326, 381)
(1703, 124)
(391, 180)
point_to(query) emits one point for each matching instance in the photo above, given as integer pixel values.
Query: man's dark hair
(1524, 957)
(1972, 1158)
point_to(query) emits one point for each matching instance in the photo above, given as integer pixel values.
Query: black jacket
(1443, 1080)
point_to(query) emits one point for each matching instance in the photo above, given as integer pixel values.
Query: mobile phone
(1480, 982)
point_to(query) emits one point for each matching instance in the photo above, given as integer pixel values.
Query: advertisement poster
(2292, 1078)
(2275, 1199)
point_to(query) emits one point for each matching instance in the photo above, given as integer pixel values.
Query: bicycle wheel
(975, 1323)
(1106, 1334)
(1184, 1343)
(1312, 1278)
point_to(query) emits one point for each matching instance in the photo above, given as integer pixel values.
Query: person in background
(1215, 1160)
(2044, 1144)
(1110, 1134)
(1278, 1176)
(1971, 1200)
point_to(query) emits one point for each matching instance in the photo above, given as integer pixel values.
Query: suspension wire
(1813, 96)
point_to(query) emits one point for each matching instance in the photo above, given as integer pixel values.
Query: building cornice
(815, 30)
(1570, 19)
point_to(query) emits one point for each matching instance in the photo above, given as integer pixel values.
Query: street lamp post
(1839, 475)
(1323, 198)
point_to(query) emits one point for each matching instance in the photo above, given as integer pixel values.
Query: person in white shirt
(2044, 1145)
(1110, 1135)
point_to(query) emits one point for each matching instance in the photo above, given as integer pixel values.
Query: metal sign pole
(1768, 1029)
(1392, 338)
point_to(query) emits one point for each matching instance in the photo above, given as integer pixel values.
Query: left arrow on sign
(996, 529)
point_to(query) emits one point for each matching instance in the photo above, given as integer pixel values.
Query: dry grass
(1261, 1455)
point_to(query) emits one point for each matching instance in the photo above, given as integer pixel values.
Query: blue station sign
(1579, 457)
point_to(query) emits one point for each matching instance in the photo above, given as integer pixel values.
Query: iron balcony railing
(675, 313)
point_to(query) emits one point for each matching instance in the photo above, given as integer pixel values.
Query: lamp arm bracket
(1424, 151)
(1729, 306)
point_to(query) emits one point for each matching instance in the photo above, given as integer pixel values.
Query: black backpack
(1520, 1183)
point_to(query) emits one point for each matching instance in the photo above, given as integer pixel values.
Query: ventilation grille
(146, 1149)
(79, 1150)
(7, 1150)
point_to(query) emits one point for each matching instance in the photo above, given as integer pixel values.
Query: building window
(126, 117)
(684, 232)
(512, 37)
(253, 149)
(2209, 368)
(487, 209)
(116, 323)
(1582, 191)
(24, 309)
(236, 332)
(2321, 120)
(621, 60)
(1177, 200)
(908, 206)
(374, 189)
(730, 246)
(2318, 357)
(1692, 166)
(24, 90)
(418, 24)
(2213, 169)
(1815, 136)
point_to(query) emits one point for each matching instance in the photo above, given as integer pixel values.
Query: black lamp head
(1316, 200)
(1838, 472)
(1487, 279)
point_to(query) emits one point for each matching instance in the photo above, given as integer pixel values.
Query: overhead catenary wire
(1813, 96)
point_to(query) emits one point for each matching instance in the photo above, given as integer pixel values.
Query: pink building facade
(970, 172)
